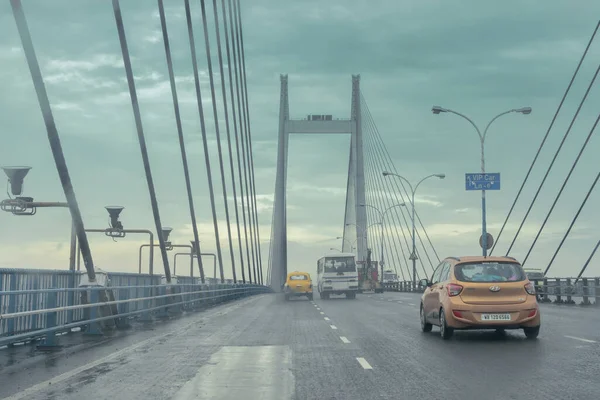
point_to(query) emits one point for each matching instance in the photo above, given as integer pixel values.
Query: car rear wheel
(446, 332)
(425, 326)
(532, 333)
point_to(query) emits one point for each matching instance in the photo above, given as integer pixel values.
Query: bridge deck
(264, 348)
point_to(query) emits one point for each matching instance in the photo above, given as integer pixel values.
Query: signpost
(489, 242)
(483, 182)
(479, 181)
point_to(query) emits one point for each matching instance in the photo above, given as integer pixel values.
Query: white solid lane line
(333, 327)
(327, 319)
(363, 363)
(344, 339)
(580, 339)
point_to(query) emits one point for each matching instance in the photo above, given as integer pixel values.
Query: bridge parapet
(38, 305)
(549, 290)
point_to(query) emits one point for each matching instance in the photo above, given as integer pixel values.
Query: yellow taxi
(298, 284)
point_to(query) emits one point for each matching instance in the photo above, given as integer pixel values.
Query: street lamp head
(386, 173)
(113, 213)
(441, 176)
(166, 231)
(437, 109)
(524, 110)
(16, 175)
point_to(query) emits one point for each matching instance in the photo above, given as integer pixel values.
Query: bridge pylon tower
(355, 216)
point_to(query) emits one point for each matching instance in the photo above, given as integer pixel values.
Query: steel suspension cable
(188, 16)
(250, 152)
(217, 133)
(588, 262)
(378, 178)
(554, 159)
(141, 139)
(563, 186)
(373, 175)
(392, 167)
(545, 137)
(572, 222)
(244, 179)
(186, 171)
(227, 128)
(381, 146)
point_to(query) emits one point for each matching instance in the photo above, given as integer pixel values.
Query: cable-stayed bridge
(214, 328)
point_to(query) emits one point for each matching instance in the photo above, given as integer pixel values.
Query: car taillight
(457, 314)
(532, 313)
(530, 289)
(453, 289)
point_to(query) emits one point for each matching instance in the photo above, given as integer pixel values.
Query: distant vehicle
(479, 293)
(336, 274)
(534, 273)
(390, 277)
(298, 284)
(368, 276)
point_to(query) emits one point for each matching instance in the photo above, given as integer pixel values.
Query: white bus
(336, 274)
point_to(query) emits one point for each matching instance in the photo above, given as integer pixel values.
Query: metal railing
(549, 290)
(39, 304)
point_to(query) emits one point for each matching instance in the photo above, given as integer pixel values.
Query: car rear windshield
(298, 277)
(489, 272)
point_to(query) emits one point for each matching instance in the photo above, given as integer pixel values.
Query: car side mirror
(424, 283)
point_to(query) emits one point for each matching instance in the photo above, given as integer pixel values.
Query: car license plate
(495, 317)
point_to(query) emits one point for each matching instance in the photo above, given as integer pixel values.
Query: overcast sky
(479, 58)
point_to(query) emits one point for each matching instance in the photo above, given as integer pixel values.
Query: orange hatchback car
(479, 293)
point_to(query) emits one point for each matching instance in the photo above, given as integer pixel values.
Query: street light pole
(343, 240)
(413, 256)
(364, 231)
(525, 111)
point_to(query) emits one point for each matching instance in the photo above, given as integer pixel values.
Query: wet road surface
(265, 348)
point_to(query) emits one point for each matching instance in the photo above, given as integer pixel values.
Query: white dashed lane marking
(322, 313)
(327, 319)
(363, 363)
(580, 339)
(344, 339)
(333, 327)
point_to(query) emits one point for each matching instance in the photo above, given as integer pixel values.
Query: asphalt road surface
(266, 348)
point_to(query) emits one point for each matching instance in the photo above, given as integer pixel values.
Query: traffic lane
(61, 374)
(324, 365)
(262, 347)
(22, 366)
(580, 322)
(471, 365)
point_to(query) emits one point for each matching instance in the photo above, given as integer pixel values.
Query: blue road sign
(479, 181)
